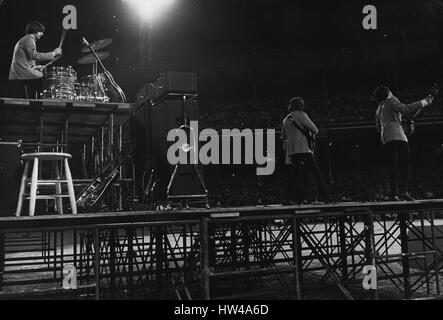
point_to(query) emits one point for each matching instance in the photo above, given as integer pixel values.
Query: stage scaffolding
(98, 135)
(235, 253)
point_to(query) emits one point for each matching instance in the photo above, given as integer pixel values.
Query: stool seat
(46, 156)
(34, 182)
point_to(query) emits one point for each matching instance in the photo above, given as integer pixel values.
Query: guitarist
(389, 126)
(298, 133)
(24, 71)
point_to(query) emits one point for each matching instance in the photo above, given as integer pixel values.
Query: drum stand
(97, 79)
(94, 68)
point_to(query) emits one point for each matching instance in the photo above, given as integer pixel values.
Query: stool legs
(33, 194)
(58, 190)
(21, 194)
(70, 187)
(34, 186)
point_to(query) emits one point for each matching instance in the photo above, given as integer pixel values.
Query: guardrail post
(405, 257)
(2, 259)
(297, 254)
(130, 234)
(343, 248)
(204, 259)
(97, 263)
(246, 247)
(159, 232)
(370, 250)
(113, 235)
(435, 249)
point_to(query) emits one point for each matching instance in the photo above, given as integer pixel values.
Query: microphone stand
(111, 78)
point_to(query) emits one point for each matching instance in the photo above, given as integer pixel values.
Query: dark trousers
(26, 89)
(301, 165)
(399, 163)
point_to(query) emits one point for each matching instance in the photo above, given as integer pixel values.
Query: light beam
(150, 9)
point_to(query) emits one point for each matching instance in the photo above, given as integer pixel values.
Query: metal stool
(35, 182)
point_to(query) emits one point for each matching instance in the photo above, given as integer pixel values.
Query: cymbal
(90, 58)
(98, 45)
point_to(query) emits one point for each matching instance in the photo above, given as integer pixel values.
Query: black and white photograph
(221, 155)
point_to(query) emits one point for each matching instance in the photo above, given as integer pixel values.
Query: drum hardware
(97, 45)
(62, 83)
(114, 89)
(90, 58)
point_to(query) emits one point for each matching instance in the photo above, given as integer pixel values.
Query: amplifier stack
(169, 103)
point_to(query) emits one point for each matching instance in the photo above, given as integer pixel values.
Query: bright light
(150, 9)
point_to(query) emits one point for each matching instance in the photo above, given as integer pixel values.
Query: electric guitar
(408, 124)
(92, 194)
(312, 140)
(114, 88)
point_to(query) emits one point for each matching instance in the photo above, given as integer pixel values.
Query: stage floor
(270, 211)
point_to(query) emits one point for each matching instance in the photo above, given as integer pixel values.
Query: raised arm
(410, 108)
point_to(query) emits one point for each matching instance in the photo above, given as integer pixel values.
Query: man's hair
(34, 27)
(296, 103)
(381, 93)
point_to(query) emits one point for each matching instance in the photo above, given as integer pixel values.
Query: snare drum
(59, 83)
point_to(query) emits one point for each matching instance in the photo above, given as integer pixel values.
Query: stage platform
(265, 212)
(24, 118)
(287, 252)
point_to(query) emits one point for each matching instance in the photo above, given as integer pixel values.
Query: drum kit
(62, 83)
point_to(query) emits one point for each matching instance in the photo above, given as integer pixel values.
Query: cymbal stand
(95, 68)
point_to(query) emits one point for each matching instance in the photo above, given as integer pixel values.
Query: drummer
(24, 71)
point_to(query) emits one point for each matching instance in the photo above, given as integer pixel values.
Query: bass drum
(59, 83)
(82, 93)
(92, 88)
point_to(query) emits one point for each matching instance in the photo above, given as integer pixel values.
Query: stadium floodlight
(150, 9)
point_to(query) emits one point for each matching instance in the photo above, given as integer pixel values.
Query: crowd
(351, 106)
(239, 186)
(350, 181)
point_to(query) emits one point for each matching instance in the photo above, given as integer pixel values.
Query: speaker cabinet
(151, 125)
(165, 117)
(175, 82)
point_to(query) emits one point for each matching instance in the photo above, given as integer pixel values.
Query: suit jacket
(24, 59)
(293, 140)
(388, 119)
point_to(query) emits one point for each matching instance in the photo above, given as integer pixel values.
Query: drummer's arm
(31, 51)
